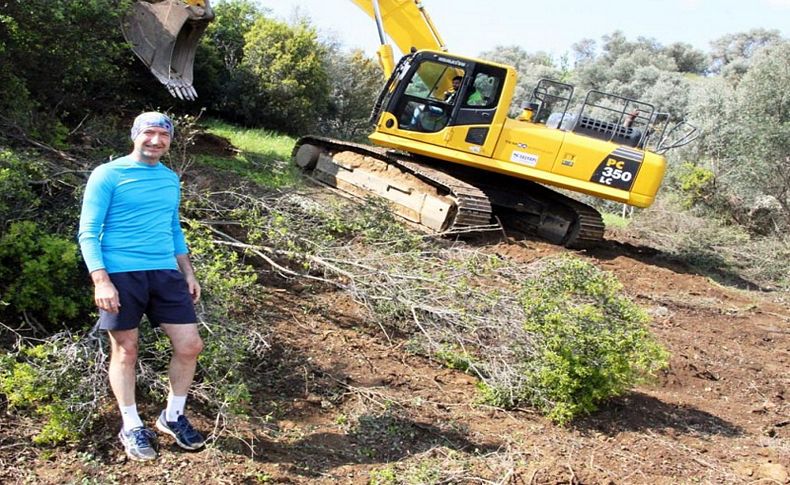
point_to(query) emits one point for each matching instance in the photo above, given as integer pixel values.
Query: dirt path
(338, 403)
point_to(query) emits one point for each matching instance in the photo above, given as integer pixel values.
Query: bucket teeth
(165, 36)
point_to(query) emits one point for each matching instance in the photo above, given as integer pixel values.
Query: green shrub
(586, 342)
(40, 275)
(696, 183)
(18, 201)
(56, 380)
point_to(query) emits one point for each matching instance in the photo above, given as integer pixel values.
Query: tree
(286, 65)
(762, 105)
(355, 81)
(61, 59)
(745, 141)
(583, 52)
(687, 58)
(234, 18)
(731, 54)
(641, 69)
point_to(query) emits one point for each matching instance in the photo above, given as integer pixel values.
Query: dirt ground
(341, 404)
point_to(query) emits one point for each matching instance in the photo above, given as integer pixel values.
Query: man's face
(152, 143)
(456, 84)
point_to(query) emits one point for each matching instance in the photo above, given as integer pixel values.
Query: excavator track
(469, 211)
(465, 199)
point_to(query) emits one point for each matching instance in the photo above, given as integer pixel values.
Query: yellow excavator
(448, 157)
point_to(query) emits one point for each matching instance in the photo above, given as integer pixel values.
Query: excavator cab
(165, 34)
(420, 105)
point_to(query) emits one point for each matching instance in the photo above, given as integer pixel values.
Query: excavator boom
(406, 22)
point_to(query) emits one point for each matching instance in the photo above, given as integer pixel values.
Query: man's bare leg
(187, 345)
(122, 375)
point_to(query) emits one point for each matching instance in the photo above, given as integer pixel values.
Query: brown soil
(339, 403)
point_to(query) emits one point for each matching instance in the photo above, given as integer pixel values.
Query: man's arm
(95, 204)
(185, 266)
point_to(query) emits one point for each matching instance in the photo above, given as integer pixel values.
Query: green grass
(615, 221)
(265, 155)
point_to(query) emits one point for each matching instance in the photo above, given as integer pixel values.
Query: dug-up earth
(340, 403)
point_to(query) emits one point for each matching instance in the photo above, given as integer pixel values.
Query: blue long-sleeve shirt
(129, 219)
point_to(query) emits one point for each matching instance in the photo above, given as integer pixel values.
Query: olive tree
(355, 80)
(745, 142)
(732, 53)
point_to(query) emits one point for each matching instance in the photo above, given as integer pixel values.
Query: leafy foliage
(263, 72)
(748, 154)
(234, 18)
(641, 69)
(62, 59)
(286, 65)
(732, 53)
(19, 201)
(583, 342)
(40, 275)
(59, 380)
(355, 81)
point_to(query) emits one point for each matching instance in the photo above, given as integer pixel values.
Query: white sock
(175, 407)
(130, 418)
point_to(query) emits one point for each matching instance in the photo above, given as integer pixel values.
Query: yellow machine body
(517, 148)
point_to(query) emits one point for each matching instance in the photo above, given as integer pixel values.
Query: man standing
(134, 248)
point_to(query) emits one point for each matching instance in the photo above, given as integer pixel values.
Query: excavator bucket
(165, 35)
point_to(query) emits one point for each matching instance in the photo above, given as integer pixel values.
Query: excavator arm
(408, 25)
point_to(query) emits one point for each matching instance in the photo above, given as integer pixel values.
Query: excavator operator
(449, 96)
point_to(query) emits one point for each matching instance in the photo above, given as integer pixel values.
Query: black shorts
(162, 295)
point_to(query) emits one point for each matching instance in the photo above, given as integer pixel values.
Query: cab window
(484, 91)
(427, 102)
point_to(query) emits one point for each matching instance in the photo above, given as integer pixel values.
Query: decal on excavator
(617, 171)
(526, 158)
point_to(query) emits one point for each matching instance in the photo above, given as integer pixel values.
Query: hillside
(338, 401)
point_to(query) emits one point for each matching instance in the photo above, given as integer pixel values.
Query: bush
(60, 380)
(63, 378)
(584, 342)
(18, 201)
(696, 183)
(721, 250)
(40, 275)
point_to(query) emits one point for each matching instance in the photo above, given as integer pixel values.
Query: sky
(470, 27)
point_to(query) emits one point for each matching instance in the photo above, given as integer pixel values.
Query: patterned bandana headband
(151, 118)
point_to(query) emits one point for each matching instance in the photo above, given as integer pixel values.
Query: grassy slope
(263, 156)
